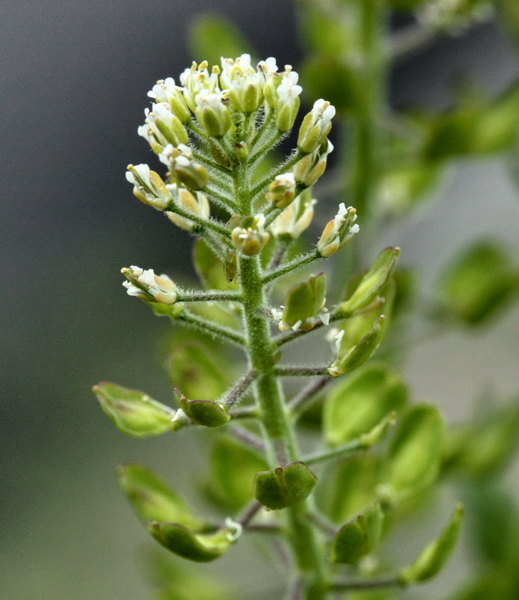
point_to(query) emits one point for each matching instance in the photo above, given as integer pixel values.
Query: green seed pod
(152, 499)
(204, 412)
(134, 412)
(284, 486)
(199, 547)
(416, 451)
(435, 555)
(365, 290)
(303, 302)
(351, 358)
(361, 401)
(358, 537)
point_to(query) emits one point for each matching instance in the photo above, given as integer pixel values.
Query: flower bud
(287, 104)
(166, 91)
(282, 190)
(244, 84)
(196, 203)
(250, 237)
(273, 81)
(212, 114)
(196, 80)
(148, 186)
(295, 218)
(162, 127)
(338, 232)
(308, 170)
(316, 126)
(188, 171)
(148, 286)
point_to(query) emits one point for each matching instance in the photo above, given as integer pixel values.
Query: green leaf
(348, 486)
(359, 403)
(212, 36)
(351, 358)
(416, 451)
(435, 555)
(152, 499)
(509, 13)
(365, 289)
(233, 468)
(358, 537)
(478, 284)
(193, 371)
(199, 547)
(303, 302)
(134, 412)
(284, 486)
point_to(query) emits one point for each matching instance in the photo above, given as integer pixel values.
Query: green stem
(301, 371)
(296, 263)
(340, 586)
(353, 446)
(209, 297)
(219, 332)
(278, 431)
(284, 168)
(209, 223)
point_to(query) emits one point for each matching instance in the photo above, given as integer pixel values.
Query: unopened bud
(166, 91)
(250, 236)
(287, 104)
(195, 203)
(212, 114)
(338, 232)
(148, 186)
(144, 284)
(295, 218)
(310, 168)
(282, 190)
(316, 126)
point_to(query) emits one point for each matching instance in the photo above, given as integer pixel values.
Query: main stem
(278, 429)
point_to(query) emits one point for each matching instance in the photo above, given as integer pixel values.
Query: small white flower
(289, 90)
(146, 285)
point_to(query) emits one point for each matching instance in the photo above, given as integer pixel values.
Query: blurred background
(74, 78)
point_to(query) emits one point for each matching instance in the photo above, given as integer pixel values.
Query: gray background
(73, 80)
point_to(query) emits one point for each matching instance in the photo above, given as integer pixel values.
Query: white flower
(288, 91)
(338, 232)
(148, 186)
(295, 218)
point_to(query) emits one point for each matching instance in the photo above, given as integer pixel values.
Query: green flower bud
(188, 171)
(358, 537)
(250, 236)
(162, 127)
(284, 486)
(204, 412)
(310, 168)
(282, 190)
(338, 232)
(351, 358)
(287, 104)
(303, 303)
(430, 562)
(196, 204)
(148, 186)
(316, 126)
(245, 85)
(212, 114)
(134, 412)
(295, 218)
(166, 91)
(365, 290)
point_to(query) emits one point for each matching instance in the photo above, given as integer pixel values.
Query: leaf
(284, 486)
(359, 403)
(134, 412)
